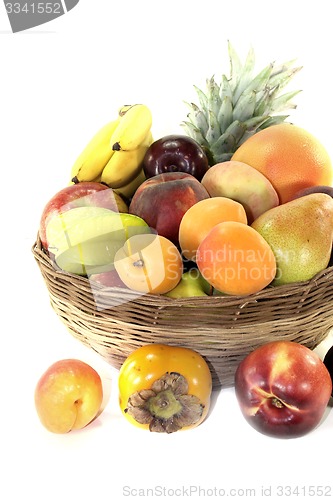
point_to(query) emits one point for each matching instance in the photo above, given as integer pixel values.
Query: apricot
(199, 219)
(235, 259)
(149, 263)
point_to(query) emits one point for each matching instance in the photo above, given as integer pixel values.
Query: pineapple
(240, 106)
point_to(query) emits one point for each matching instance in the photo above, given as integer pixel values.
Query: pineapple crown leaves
(241, 105)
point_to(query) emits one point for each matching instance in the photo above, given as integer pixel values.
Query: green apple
(192, 284)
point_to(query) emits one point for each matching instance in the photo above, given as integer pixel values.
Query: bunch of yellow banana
(114, 155)
(129, 189)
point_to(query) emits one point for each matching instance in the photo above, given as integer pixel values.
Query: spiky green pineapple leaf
(197, 118)
(241, 105)
(260, 81)
(193, 132)
(225, 89)
(203, 99)
(273, 120)
(282, 74)
(245, 106)
(235, 67)
(227, 141)
(245, 75)
(214, 100)
(283, 102)
(225, 115)
(214, 131)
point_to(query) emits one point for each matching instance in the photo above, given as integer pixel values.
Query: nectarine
(283, 389)
(162, 201)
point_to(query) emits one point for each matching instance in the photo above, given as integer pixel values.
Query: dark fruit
(175, 153)
(315, 189)
(328, 362)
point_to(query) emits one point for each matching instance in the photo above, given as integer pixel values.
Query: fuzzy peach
(242, 183)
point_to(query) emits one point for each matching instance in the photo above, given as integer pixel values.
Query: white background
(59, 83)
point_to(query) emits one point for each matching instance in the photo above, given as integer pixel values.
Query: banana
(124, 109)
(133, 127)
(129, 189)
(124, 166)
(90, 163)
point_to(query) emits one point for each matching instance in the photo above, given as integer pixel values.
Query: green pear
(300, 234)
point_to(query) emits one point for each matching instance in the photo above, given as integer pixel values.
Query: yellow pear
(300, 234)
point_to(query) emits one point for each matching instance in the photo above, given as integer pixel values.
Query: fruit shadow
(213, 399)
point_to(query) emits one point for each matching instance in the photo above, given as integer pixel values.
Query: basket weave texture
(223, 329)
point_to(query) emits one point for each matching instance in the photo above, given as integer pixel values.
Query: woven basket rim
(268, 292)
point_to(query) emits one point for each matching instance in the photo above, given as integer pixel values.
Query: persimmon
(289, 156)
(199, 219)
(235, 259)
(165, 388)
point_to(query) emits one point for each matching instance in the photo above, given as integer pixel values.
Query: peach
(149, 263)
(162, 201)
(235, 259)
(242, 183)
(202, 217)
(68, 396)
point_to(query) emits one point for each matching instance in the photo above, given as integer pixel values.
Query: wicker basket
(115, 321)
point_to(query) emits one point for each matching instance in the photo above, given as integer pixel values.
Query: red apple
(68, 396)
(107, 279)
(163, 199)
(283, 389)
(81, 194)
